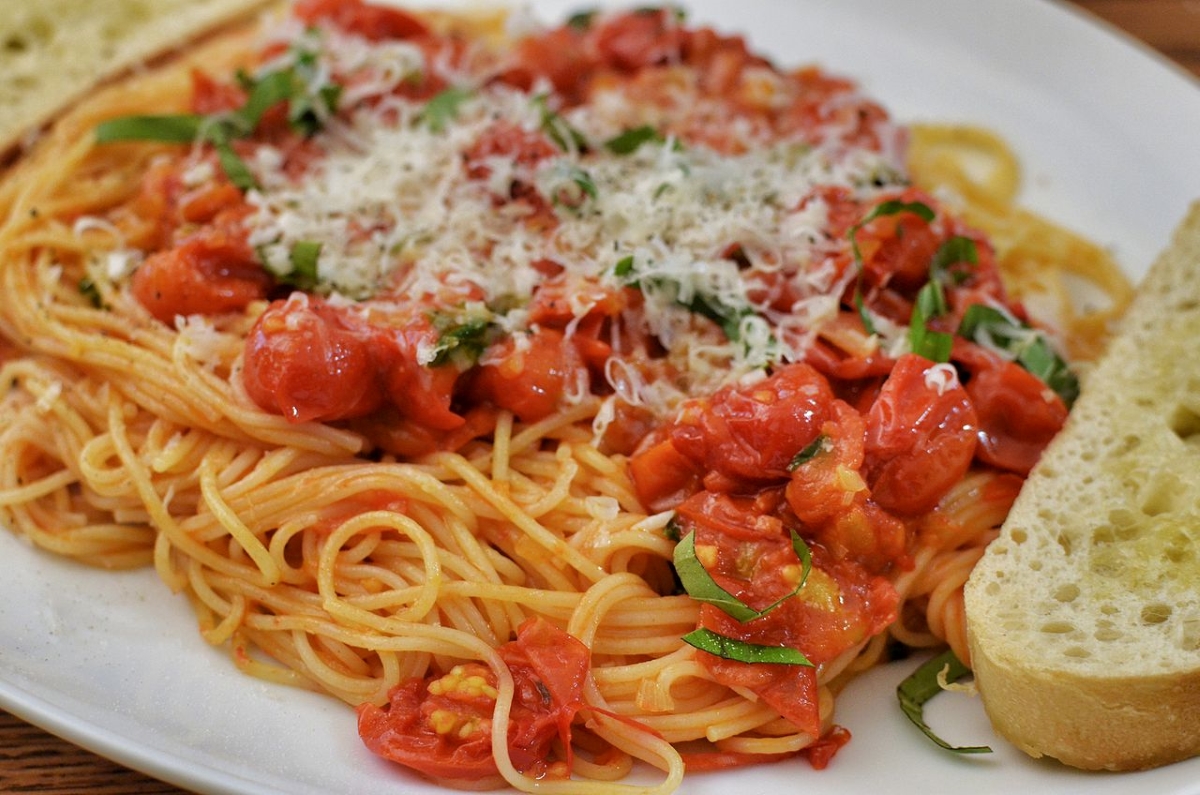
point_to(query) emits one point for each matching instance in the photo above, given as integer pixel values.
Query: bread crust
(1083, 617)
(59, 51)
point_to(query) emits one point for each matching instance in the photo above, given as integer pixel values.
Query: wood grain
(32, 761)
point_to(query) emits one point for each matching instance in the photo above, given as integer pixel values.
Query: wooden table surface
(32, 761)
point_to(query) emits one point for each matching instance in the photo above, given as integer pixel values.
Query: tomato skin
(549, 668)
(750, 434)
(920, 441)
(372, 22)
(1018, 416)
(528, 381)
(633, 41)
(209, 273)
(557, 55)
(422, 393)
(305, 362)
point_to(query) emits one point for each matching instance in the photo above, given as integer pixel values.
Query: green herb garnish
(996, 329)
(924, 341)
(443, 108)
(700, 585)
(462, 338)
(307, 100)
(923, 685)
(814, 448)
(741, 651)
(891, 207)
(557, 129)
(629, 141)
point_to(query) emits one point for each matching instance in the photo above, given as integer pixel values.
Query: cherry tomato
(373, 22)
(527, 378)
(750, 555)
(921, 434)
(557, 55)
(750, 434)
(209, 273)
(1018, 416)
(633, 41)
(306, 361)
(441, 725)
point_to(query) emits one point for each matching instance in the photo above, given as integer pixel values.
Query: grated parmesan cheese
(396, 214)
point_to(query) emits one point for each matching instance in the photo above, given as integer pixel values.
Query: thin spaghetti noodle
(322, 559)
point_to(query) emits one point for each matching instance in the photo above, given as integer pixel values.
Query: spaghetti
(559, 404)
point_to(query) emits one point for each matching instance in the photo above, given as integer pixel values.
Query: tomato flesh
(441, 725)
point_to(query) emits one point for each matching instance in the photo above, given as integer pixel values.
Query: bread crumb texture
(1086, 609)
(53, 51)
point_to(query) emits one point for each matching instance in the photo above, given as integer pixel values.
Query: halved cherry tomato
(211, 272)
(373, 22)
(749, 553)
(921, 434)
(441, 725)
(527, 378)
(1018, 416)
(750, 434)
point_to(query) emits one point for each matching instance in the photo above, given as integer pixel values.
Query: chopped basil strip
(728, 317)
(628, 142)
(814, 448)
(999, 330)
(930, 303)
(954, 251)
(564, 136)
(923, 685)
(582, 20)
(89, 290)
(700, 585)
(741, 651)
(303, 258)
(461, 338)
(308, 100)
(443, 108)
(183, 128)
(584, 181)
(864, 314)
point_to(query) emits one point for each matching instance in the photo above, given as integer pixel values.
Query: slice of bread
(1083, 617)
(52, 52)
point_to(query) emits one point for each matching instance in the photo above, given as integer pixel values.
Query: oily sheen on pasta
(562, 398)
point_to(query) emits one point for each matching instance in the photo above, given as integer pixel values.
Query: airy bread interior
(1084, 616)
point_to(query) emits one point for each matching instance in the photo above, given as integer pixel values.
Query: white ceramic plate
(1107, 134)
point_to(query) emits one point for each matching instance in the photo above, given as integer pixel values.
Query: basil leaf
(628, 142)
(930, 303)
(182, 128)
(303, 257)
(89, 290)
(443, 108)
(923, 685)
(952, 252)
(993, 328)
(582, 20)
(701, 586)
(728, 317)
(461, 338)
(741, 651)
(557, 129)
(814, 448)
